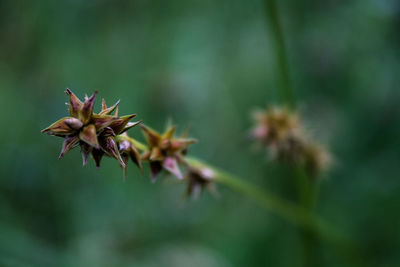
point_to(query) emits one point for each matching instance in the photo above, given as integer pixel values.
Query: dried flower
(199, 178)
(94, 133)
(274, 125)
(165, 151)
(279, 130)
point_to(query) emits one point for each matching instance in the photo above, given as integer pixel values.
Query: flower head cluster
(165, 151)
(199, 178)
(94, 133)
(280, 131)
(104, 134)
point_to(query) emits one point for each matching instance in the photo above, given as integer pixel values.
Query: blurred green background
(205, 64)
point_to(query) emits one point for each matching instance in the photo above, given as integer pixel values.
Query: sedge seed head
(279, 130)
(165, 151)
(94, 133)
(198, 179)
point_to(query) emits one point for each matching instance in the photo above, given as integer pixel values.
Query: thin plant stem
(307, 196)
(291, 212)
(282, 63)
(274, 204)
(269, 201)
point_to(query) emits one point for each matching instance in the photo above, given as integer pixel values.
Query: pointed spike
(102, 121)
(85, 149)
(103, 105)
(62, 127)
(125, 159)
(153, 137)
(128, 117)
(171, 165)
(130, 125)
(108, 111)
(169, 133)
(116, 112)
(110, 146)
(69, 143)
(74, 103)
(181, 144)
(135, 156)
(88, 135)
(119, 124)
(97, 155)
(124, 173)
(87, 109)
(155, 168)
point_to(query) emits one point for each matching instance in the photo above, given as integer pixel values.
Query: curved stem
(290, 212)
(269, 201)
(282, 63)
(293, 213)
(280, 207)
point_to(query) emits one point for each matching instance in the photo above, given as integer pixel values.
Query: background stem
(307, 196)
(308, 222)
(292, 213)
(282, 64)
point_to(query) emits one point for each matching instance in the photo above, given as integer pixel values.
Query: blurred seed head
(165, 151)
(198, 179)
(280, 131)
(274, 125)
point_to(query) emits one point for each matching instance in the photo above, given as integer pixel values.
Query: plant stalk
(297, 215)
(292, 213)
(282, 63)
(307, 187)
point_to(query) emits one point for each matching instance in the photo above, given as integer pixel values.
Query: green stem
(280, 207)
(269, 201)
(282, 63)
(307, 187)
(293, 213)
(290, 212)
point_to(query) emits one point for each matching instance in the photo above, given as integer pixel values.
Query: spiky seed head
(165, 151)
(279, 130)
(198, 179)
(94, 133)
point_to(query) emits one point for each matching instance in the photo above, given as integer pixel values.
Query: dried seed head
(165, 151)
(274, 125)
(279, 130)
(198, 179)
(94, 133)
